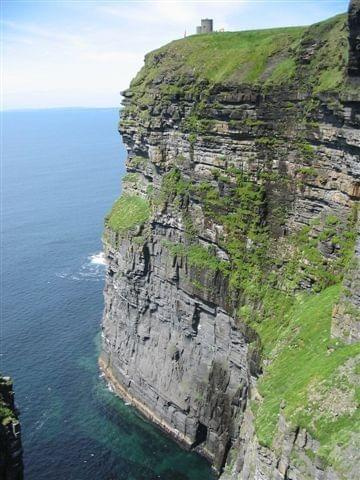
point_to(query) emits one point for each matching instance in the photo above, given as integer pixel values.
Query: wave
(92, 269)
(98, 259)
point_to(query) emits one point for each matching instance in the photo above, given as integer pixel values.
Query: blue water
(61, 173)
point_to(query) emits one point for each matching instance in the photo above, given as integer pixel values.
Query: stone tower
(206, 26)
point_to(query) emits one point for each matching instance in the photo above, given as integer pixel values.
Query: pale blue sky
(83, 53)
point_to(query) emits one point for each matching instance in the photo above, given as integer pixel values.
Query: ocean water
(61, 173)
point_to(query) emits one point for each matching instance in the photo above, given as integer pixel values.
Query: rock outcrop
(11, 466)
(238, 195)
(346, 318)
(354, 38)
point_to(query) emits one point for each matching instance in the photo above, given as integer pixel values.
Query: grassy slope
(258, 57)
(127, 212)
(305, 372)
(239, 55)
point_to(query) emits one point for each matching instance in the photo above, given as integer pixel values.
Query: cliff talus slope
(231, 300)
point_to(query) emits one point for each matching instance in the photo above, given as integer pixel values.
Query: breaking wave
(98, 259)
(92, 269)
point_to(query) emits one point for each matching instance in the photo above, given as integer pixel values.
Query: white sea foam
(98, 259)
(92, 269)
(110, 387)
(61, 275)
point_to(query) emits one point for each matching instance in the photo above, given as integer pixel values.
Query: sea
(61, 172)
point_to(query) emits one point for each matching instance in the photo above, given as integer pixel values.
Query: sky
(84, 53)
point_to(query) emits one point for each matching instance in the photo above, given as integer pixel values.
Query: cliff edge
(11, 466)
(232, 292)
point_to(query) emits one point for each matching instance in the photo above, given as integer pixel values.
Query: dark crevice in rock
(201, 435)
(146, 254)
(226, 453)
(196, 319)
(176, 356)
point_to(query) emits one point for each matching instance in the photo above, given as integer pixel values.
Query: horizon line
(74, 107)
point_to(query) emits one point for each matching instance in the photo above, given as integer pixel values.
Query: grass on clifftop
(241, 56)
(217, 57)
(127, 212)
(317, 378)
(263, 57)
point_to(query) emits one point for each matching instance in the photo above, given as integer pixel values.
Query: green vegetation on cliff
(307, 375)
(6, 413)
(127, 212)
(313, 57)
(247, 239)
(238, 56)
(199, 257)
(310, 376)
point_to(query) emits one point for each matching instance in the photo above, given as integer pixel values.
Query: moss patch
(127, 212)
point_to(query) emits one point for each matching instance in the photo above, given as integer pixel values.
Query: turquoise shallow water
(61, 171)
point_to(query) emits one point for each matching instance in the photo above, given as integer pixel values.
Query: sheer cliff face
(354, 38)
(11, 465)
(230, 193)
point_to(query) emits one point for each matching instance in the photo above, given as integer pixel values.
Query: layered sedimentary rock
(346, 322)
(238, 196)
(354, 38)
(11, 466)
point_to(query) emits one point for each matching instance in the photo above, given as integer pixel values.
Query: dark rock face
(181, 359)
(173, 343)
(11, 466)
(354, 38)
(346, 321)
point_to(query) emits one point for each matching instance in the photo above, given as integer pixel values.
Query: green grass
(259, 57)
(283, 72)
(131, 178)
(127, 212)
(6, 414)
(328, 65)
(308, 171)
(303, 360)
(198, 256)
(201, 257)
(221, 56)
(239, 55)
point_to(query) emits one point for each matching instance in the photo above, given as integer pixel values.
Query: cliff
(232, 291)
(11, 466)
